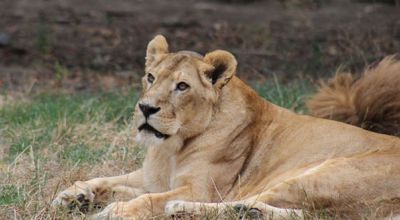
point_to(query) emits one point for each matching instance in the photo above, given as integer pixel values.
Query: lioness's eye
(182, 86)
(150, 78)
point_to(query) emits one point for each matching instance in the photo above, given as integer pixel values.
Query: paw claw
(240, 208)
(80, 198)
(246, 212)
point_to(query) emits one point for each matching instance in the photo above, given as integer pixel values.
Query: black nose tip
(148, 110)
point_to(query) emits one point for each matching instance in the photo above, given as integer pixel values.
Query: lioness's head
(180, 91)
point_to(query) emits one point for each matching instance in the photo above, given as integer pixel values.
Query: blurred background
(100, 44)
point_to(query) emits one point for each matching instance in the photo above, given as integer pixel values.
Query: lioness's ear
(224, 64)
(157, 46)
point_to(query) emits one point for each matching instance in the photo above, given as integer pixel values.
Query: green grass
(291, 96)
(10, 194)
(81, 153)
(51, 140)
(48, 118)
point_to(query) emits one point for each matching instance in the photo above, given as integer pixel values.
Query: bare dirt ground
(87, 44)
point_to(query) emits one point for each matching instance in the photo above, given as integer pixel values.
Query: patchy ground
(80, 44)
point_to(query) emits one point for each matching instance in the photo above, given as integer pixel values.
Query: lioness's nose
(148, 110)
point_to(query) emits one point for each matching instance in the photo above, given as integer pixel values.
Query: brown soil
(100, 43)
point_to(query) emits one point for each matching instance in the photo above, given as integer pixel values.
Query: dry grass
(53, 140)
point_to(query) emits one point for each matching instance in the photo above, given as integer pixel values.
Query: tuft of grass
(291, 96)
(304, 3)
(42, 39)
(60, 72)
(80, 153)
(10, 194)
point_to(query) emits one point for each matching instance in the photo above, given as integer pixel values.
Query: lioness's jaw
(224, 64)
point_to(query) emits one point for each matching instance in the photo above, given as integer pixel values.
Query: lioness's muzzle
(149, 128)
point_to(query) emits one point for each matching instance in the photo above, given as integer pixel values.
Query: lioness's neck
(238, 99)
(237, 120)
(232, 137)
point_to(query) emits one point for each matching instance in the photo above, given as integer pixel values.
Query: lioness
(213, 143)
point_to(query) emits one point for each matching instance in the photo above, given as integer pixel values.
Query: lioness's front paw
(175, 206)
(80, 195)
(123, 210)
(178, 209)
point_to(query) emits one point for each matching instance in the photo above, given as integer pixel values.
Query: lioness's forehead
(174, 62)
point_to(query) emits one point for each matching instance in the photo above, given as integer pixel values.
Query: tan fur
(228, 147)
(371, 102)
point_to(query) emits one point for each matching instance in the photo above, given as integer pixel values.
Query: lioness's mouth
(149, 128)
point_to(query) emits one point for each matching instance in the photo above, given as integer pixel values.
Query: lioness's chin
(170, 144)
(147, 138)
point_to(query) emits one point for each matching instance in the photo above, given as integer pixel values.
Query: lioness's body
(241, 149)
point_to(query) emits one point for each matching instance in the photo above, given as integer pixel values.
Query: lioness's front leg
(98, 191)
(145, 206)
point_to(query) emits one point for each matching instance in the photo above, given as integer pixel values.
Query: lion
(213, 145)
